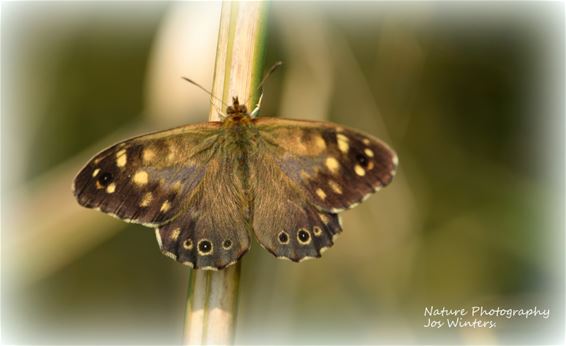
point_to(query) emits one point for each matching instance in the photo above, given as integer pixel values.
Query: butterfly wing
(212, 232)
(285, 222)
(175, 180)
(337, 167)
(140, 180)
(313, 170)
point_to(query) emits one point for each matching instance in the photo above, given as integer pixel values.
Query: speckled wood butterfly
(206, 187)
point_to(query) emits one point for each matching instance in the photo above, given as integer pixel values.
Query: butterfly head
(236, 108)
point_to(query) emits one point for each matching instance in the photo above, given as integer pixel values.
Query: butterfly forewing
(335, 166)
(142, 179)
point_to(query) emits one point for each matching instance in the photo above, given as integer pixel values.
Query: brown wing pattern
(212, 230)
(304, 174)
(181, 181)
(140, 180)
(285, 222)
(337, 167)
(204, 191)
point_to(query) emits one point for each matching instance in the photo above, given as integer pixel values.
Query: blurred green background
(470, 95)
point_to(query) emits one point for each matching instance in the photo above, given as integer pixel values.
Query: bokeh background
(469, 94)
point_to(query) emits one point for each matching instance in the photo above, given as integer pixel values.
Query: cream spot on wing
(324, 218)
(335, 187)
(148, 154)
(332, 164)
(366, 141)
(111, 188)
(141, 178)
(301, 147)
(306, 258)
(95, 173)
(214, 269)
(146, 200)
(98, 185)
(158, 236)
(121, 158)
(165, 207)
(368, 152)
(304, 175)
(172, 152)
(319, 142)
(366, 197)
(175, 234)
(370, 165)
(395, 160)
(170, 255)
(342, 143)
(359, 170)
(176, 186)
(321, 194)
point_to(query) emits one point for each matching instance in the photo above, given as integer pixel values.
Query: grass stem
(213, 295)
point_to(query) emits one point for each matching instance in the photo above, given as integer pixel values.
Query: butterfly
(206, 188)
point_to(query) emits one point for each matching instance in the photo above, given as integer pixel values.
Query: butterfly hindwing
(212, 231)
(337, 167)
(142, 179)
(285, 222)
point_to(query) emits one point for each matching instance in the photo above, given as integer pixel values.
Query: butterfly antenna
(268, 74)
(206, 91)
(260, 87)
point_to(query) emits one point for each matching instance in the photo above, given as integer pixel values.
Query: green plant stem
(213, 296)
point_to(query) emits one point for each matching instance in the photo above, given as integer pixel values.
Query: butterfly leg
(255, 112)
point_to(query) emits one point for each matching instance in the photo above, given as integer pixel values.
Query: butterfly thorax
(235, 120)
(237, 141)
(239, 128)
